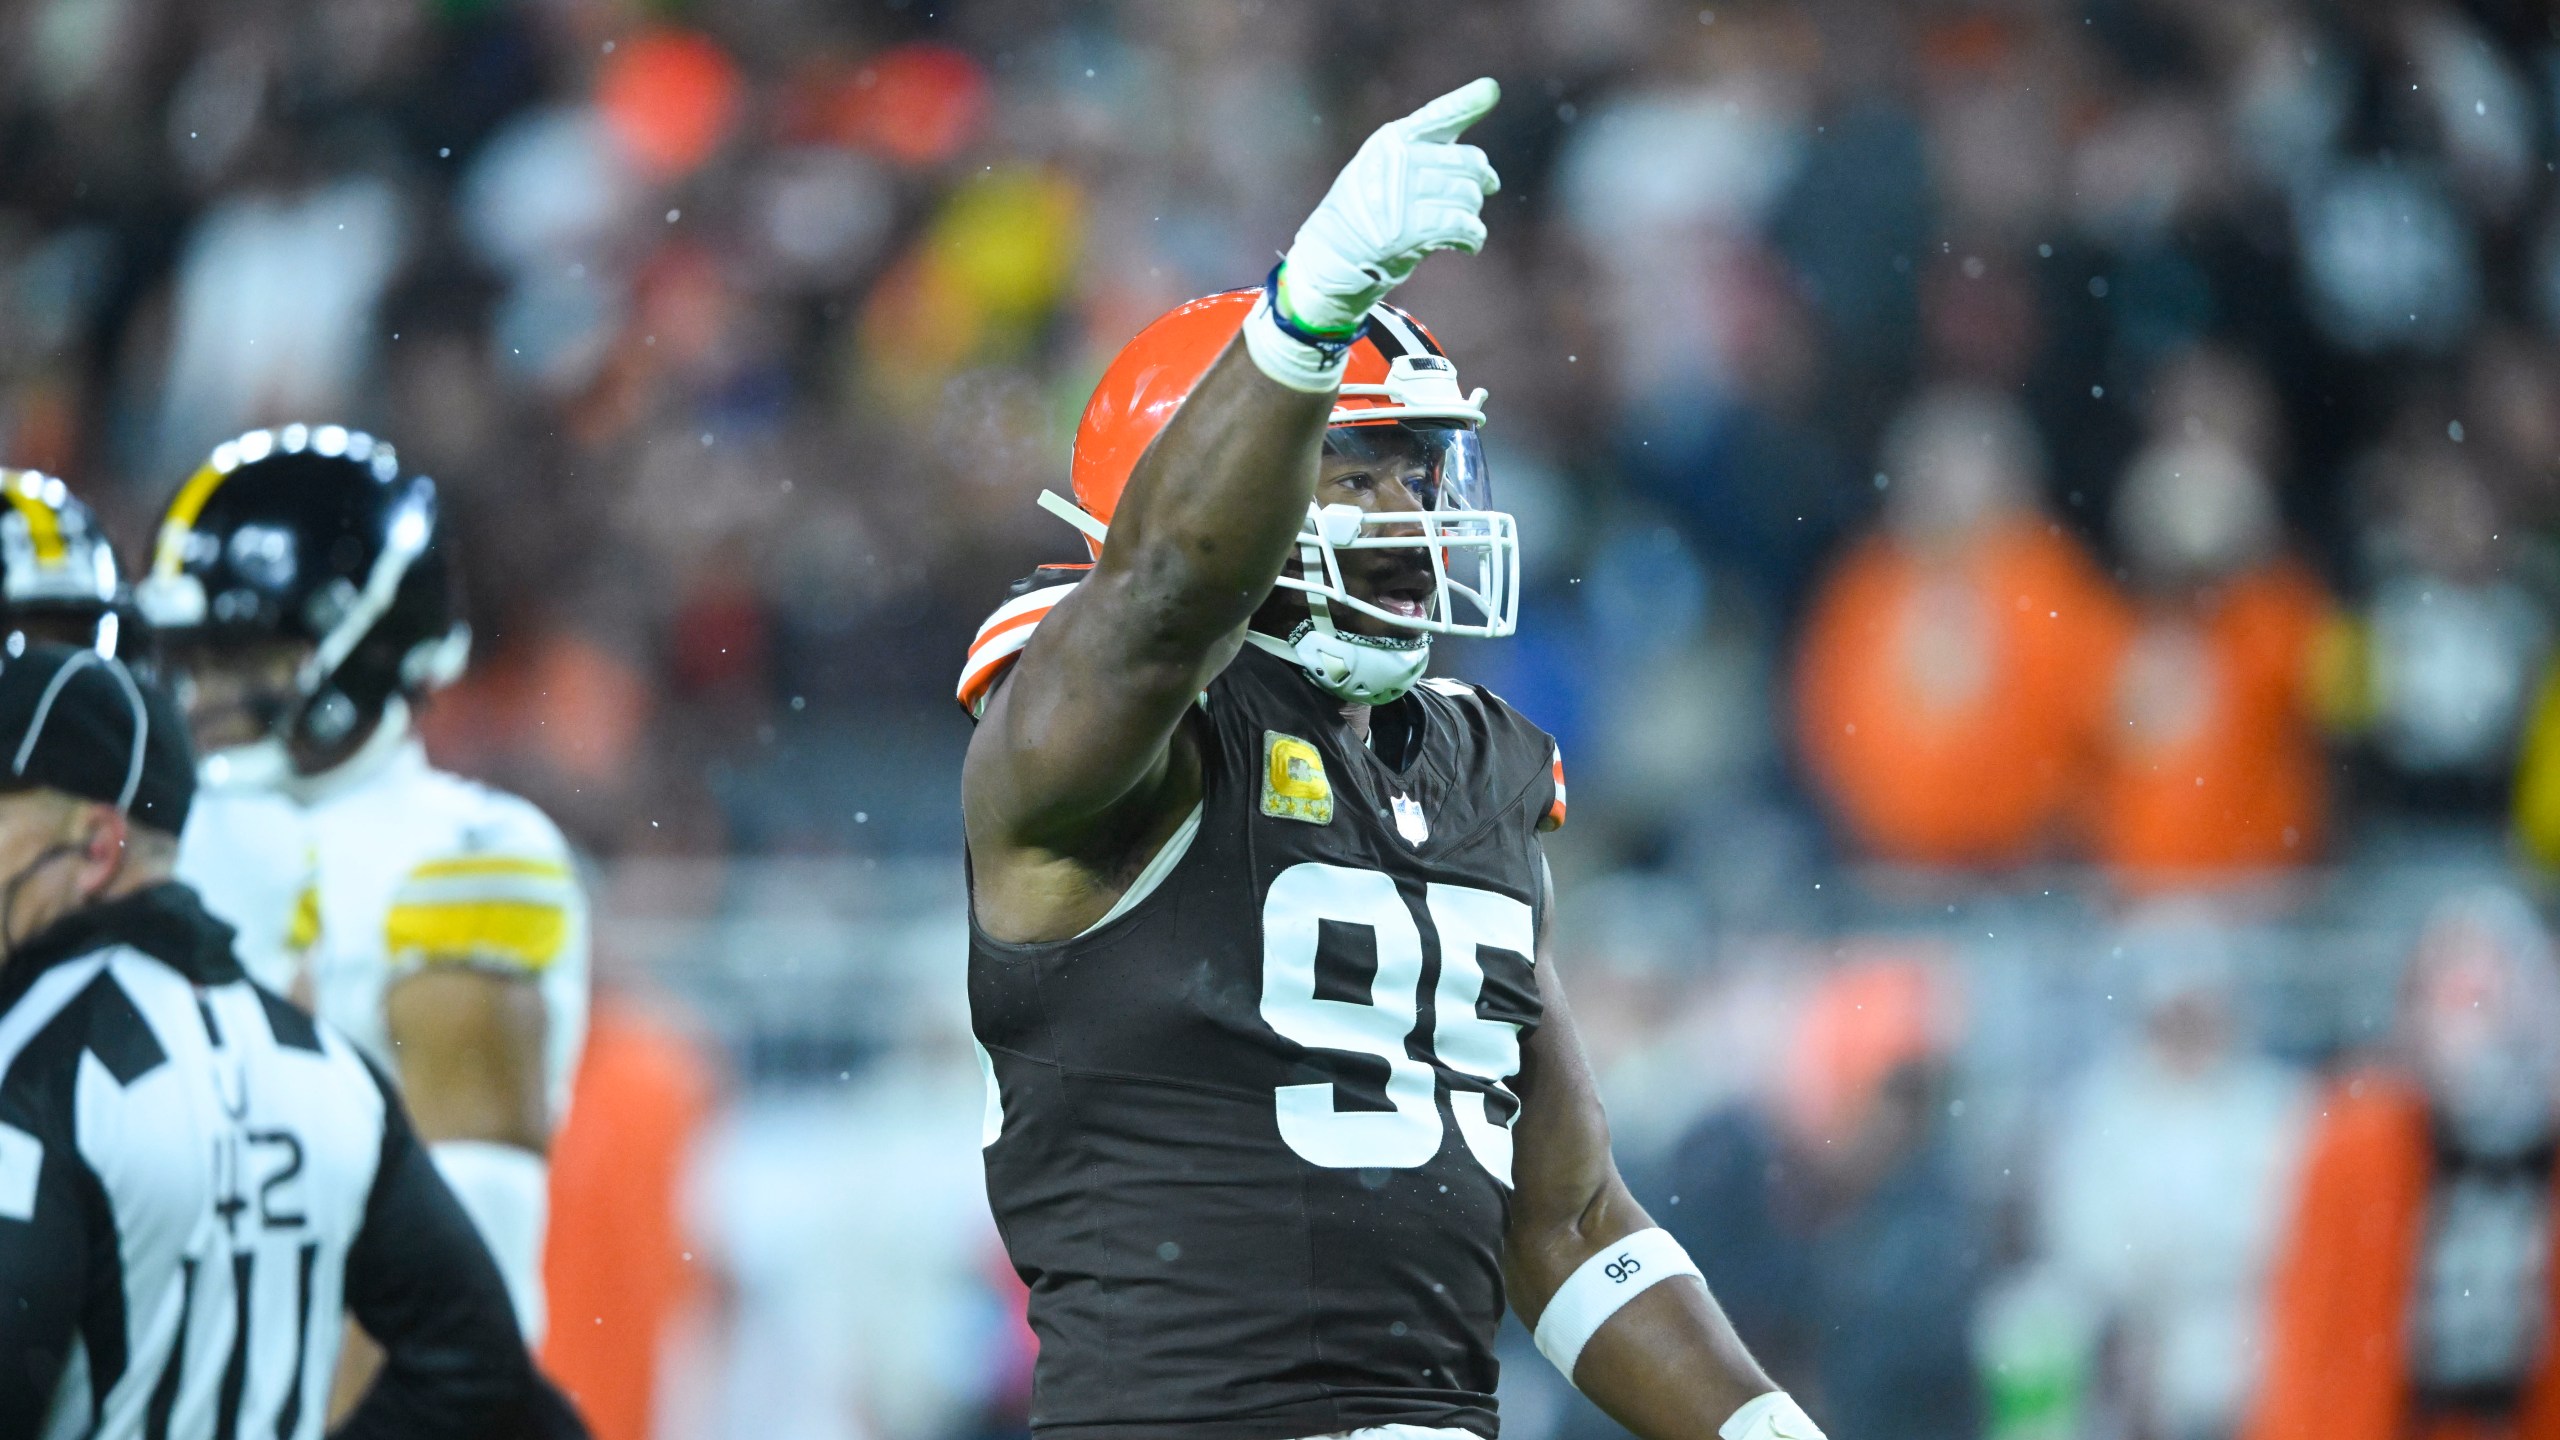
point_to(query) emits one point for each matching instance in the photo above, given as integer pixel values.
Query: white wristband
(506, 1190)
(1774, 1416)
(1601, 1286)
(1286, 358)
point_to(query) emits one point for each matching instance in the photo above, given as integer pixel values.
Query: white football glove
(1411, 190)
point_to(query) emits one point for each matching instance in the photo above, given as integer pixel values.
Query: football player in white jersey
(300, 598)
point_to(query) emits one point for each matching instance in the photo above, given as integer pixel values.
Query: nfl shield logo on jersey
(1410, 822)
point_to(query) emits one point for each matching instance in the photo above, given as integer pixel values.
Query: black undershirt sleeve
(44, 1259)
(423, 1286)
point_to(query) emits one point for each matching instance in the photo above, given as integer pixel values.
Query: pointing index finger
(1445, 118)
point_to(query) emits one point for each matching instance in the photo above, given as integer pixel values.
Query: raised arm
(1084, 721)
(1076, 760)
(1661, 1357)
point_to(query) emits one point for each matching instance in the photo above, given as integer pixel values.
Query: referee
(198, 1182)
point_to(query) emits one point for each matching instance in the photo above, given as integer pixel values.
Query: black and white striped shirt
(197, 1184)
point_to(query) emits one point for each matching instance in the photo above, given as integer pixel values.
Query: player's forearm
(420, 1279)
(428, 1394)
(1612, 1300)
(1669, 1367)
(470, 1042)
(1551, 1234)
(1212, 510)
(359, 1365)
(1667, 1364)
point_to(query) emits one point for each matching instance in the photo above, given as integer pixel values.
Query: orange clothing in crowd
(2214, 759)
(2337, 1363)
(615, 1266)
(558, 700)
(1947, 710)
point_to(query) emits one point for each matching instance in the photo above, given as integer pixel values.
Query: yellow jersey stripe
(461, 865)
(508, 932)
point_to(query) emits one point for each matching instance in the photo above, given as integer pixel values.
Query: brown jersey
(1255, 1155)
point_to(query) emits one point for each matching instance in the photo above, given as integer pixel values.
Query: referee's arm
(423, 1286)
(44, 1259)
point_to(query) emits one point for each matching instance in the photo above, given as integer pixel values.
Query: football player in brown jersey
(1286, 1103)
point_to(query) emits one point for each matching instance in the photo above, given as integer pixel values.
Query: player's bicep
(1085, 721)
(1562, 1171)
(470, 937)
(420, 1281)
(470, 1043)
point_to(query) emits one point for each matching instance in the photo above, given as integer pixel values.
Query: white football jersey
(386, 864)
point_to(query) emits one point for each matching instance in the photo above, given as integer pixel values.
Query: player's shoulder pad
(1501, 719)
(1003, 635)
(499, 890)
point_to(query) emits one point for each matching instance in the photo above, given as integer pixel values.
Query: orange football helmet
(1396, 375)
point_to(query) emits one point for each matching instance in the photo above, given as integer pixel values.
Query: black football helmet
(57, 571)
(310, 535)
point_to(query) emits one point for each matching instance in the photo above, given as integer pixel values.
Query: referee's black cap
(76, 721)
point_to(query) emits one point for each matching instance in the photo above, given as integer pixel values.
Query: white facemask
(1362, 669)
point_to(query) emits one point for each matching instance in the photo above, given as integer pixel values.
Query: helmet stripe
(168, 556)
(1409, 337)
(1375, 331)
(44, 528)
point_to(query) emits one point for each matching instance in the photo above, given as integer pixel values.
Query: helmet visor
(1440, 462)
(1433, 501)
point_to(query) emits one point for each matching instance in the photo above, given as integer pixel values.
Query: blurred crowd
(1961, 435)
(1963, 451)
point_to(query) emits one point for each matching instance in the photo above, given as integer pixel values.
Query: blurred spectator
(1831, 1223)
(2392, 188)
(2416, 1293)
(986, 273)
(2458, 632)
(670, 97)
(2537, 779)
(2164, 1188)
(2214, 763)
(1674, 702)
(554, 714)
(2213, 394)
(1715, 356)
(2510, 410)
(546, 204)
(273, 316)
(1948, 680)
